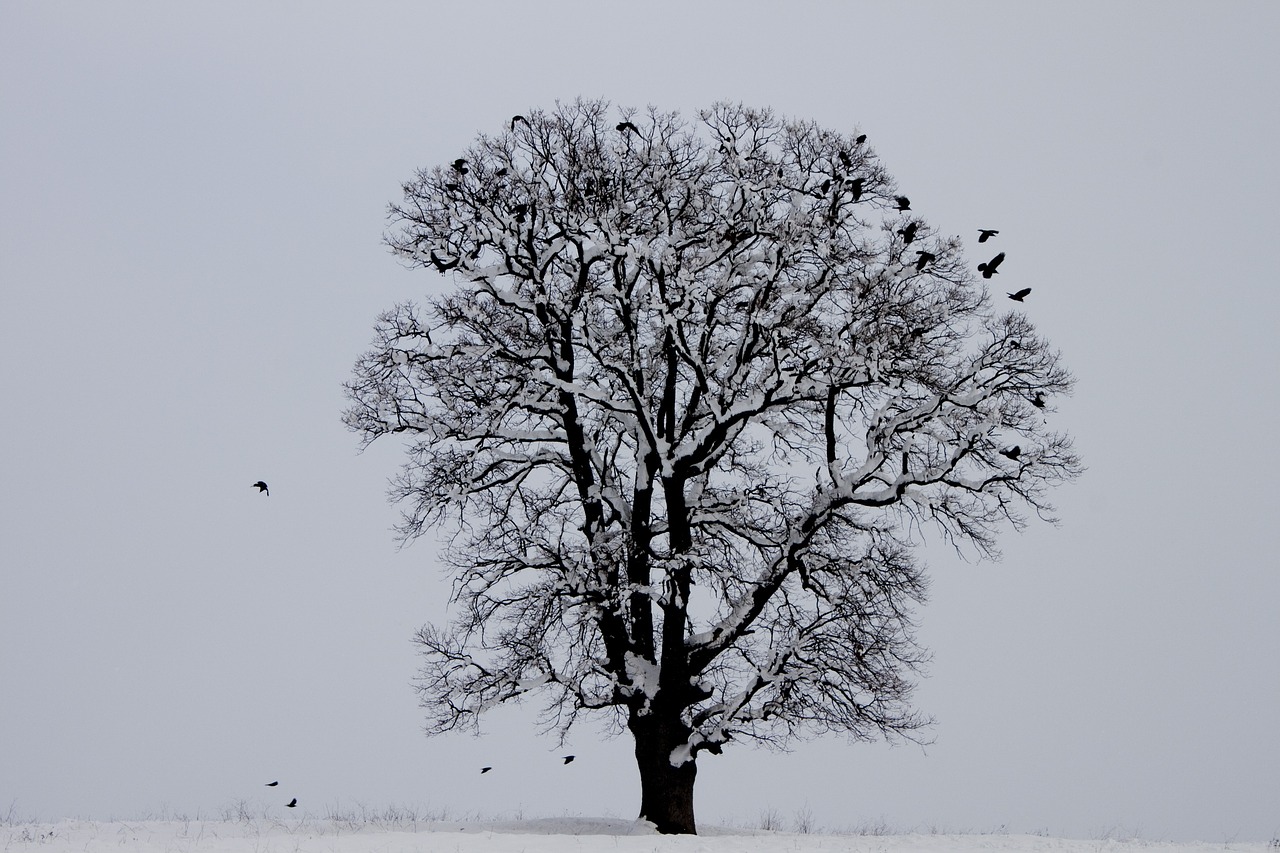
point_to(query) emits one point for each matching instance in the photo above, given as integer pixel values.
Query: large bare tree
(699, 386)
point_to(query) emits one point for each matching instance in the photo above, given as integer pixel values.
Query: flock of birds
(908, 234)
(293, 803)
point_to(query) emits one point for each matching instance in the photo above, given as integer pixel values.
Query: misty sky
(192, 201)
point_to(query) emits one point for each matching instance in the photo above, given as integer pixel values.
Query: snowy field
(562, 835)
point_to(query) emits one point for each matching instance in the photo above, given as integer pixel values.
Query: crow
(484, 770)
(569, 758)
(862, 137)
(925, 259)
(626, 125)
(990, 267)
(292, 804)
(272, 784)
(855, 187)
(517, 118)
(1038, 400)
(845, 161)
(460, 166)
(904, 203)
(985, 234)
(1012, 452)
(1020, 295)
(908, 232)
(261, 487)
(826, 186)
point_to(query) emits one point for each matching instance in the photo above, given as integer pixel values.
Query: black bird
(517, 118)
(925, 259)
(272, 784)
(845, 161)
(989, 268)
(501, 172)
(855, 187)
(626, 125)
(1012, 452)
(1020, 295)
(862, 137)
(908, 232)
(1038, 400)
(484, 770)
(460, 166)
(904, 203)
(985, 234)
(261, 487)
(569, 758)
(826, 186)
(292, 803)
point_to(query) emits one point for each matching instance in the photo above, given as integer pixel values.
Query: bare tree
(690, 403)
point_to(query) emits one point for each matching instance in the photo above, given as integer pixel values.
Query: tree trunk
(666, 791)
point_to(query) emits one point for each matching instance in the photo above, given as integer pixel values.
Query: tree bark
(666, 791)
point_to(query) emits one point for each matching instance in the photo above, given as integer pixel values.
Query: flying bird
(985, 234)
(272, 784)
(626, 125)
(292, 803)
(908, 231)
(925, 259)
(569, 758)
(1012, 452)
(904, 203)
(862, 137)
(1020, 295)
(989, 268)
(484, 770)
(261, 487)
(460, 166)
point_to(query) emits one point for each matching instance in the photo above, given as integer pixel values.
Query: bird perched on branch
(460, 166)
(903, 202)
(990, 267)
(261, 487)
(516, 118)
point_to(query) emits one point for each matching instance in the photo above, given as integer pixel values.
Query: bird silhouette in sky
(1012, 452)
(862, 137)
(261, 487)
(626, 125)
(904, 203)
(272, 784)
(1020, 295)
(569, 758)
(985, 234)
(990, 267)
(484, 770)
(924, 259)
(292, 804)
(460, 166)
(908, 232)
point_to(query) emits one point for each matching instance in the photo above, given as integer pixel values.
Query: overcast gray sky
(192, 198)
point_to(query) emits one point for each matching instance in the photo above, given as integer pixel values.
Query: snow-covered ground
(559, 835)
